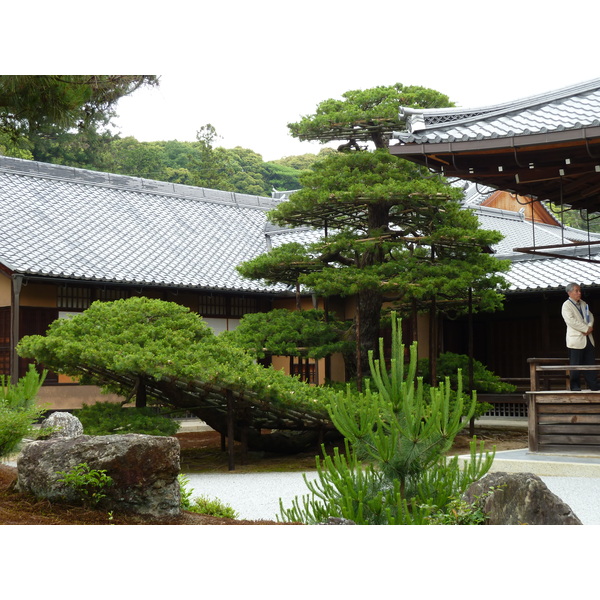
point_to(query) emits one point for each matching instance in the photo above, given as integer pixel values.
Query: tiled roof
(71, 223)
(530, 272)
(551, 274)
(520, 233)
(569, 108)
(61, 222)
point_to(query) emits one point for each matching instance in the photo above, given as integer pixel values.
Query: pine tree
(395, 469)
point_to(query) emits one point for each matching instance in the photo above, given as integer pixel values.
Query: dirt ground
(200, 452)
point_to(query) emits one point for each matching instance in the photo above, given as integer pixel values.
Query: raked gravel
(256, 496)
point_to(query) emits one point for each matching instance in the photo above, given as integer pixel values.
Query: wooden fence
(561, 420)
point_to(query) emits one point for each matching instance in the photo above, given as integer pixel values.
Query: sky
(250, 68)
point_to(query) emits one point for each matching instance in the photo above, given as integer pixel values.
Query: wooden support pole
(470, 343)
(230, 430)
(244, 441)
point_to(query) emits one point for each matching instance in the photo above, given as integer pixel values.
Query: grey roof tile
(569, 108)
(551, 274)
(76, 224)
(63, 222)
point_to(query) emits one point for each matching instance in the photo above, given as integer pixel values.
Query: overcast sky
(249, 68)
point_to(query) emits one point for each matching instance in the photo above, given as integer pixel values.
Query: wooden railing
(561, 420)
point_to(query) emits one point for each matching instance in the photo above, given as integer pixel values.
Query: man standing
(580, 341)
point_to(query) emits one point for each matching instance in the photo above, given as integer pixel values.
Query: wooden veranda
(561, 421)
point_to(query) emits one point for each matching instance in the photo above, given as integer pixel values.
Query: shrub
(108, 418)
(213, 508)
(449, 364)
(18, 409)
(202, 504)
(88, 484)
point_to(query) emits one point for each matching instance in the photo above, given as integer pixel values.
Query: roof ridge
(20, 166)
(423, 119)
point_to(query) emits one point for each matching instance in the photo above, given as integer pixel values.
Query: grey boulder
(518, 499)
(62, 424)
(144, 470)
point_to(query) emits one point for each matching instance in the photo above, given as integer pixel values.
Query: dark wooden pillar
(230, 429)
(15, 334)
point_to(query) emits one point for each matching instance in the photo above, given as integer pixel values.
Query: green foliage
(88, 484)
(290, 333)
(365, 114)
(395, 469)
(130, 157)
(31, 105)
(108, 418)
(283, 264)
(449, 364)
(213, 169)
(347, 487)
(302, 162)
(202, 504)
(579, 219)
(185, 493)
(282, 178)
(384, 217)
(394, 233)
(18, 409)
(152, 339)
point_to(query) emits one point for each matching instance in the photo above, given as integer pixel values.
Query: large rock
(144, 470)
(62, 424)
(518, 499)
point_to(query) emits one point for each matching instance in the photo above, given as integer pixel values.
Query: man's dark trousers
(583, 356)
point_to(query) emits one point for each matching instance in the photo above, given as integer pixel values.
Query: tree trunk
(369, 318)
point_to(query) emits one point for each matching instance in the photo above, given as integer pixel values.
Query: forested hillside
(201, 163)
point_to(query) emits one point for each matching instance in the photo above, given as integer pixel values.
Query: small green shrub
(88, 484)
(185, 494)
(449, 364)
(18, 409)
(203, 505)
(108, 418)
(213, 508)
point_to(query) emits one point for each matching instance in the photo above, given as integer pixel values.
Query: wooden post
(230, 430)
(17, 282)
(533, 375)
(141, 398)
(470, 343)
(532, 423)
(244, 441)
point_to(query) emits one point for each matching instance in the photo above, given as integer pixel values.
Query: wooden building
(71, 236)
(542, 148)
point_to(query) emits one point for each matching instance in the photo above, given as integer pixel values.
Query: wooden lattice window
(306, 370)
(241, 305)
(212, 306)
(74, 297)
(111, 294)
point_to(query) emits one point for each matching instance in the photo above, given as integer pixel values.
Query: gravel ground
(253, 495)
(256, 496)
(582, 494)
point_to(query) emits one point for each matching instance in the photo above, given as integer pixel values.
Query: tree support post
(230, 430)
